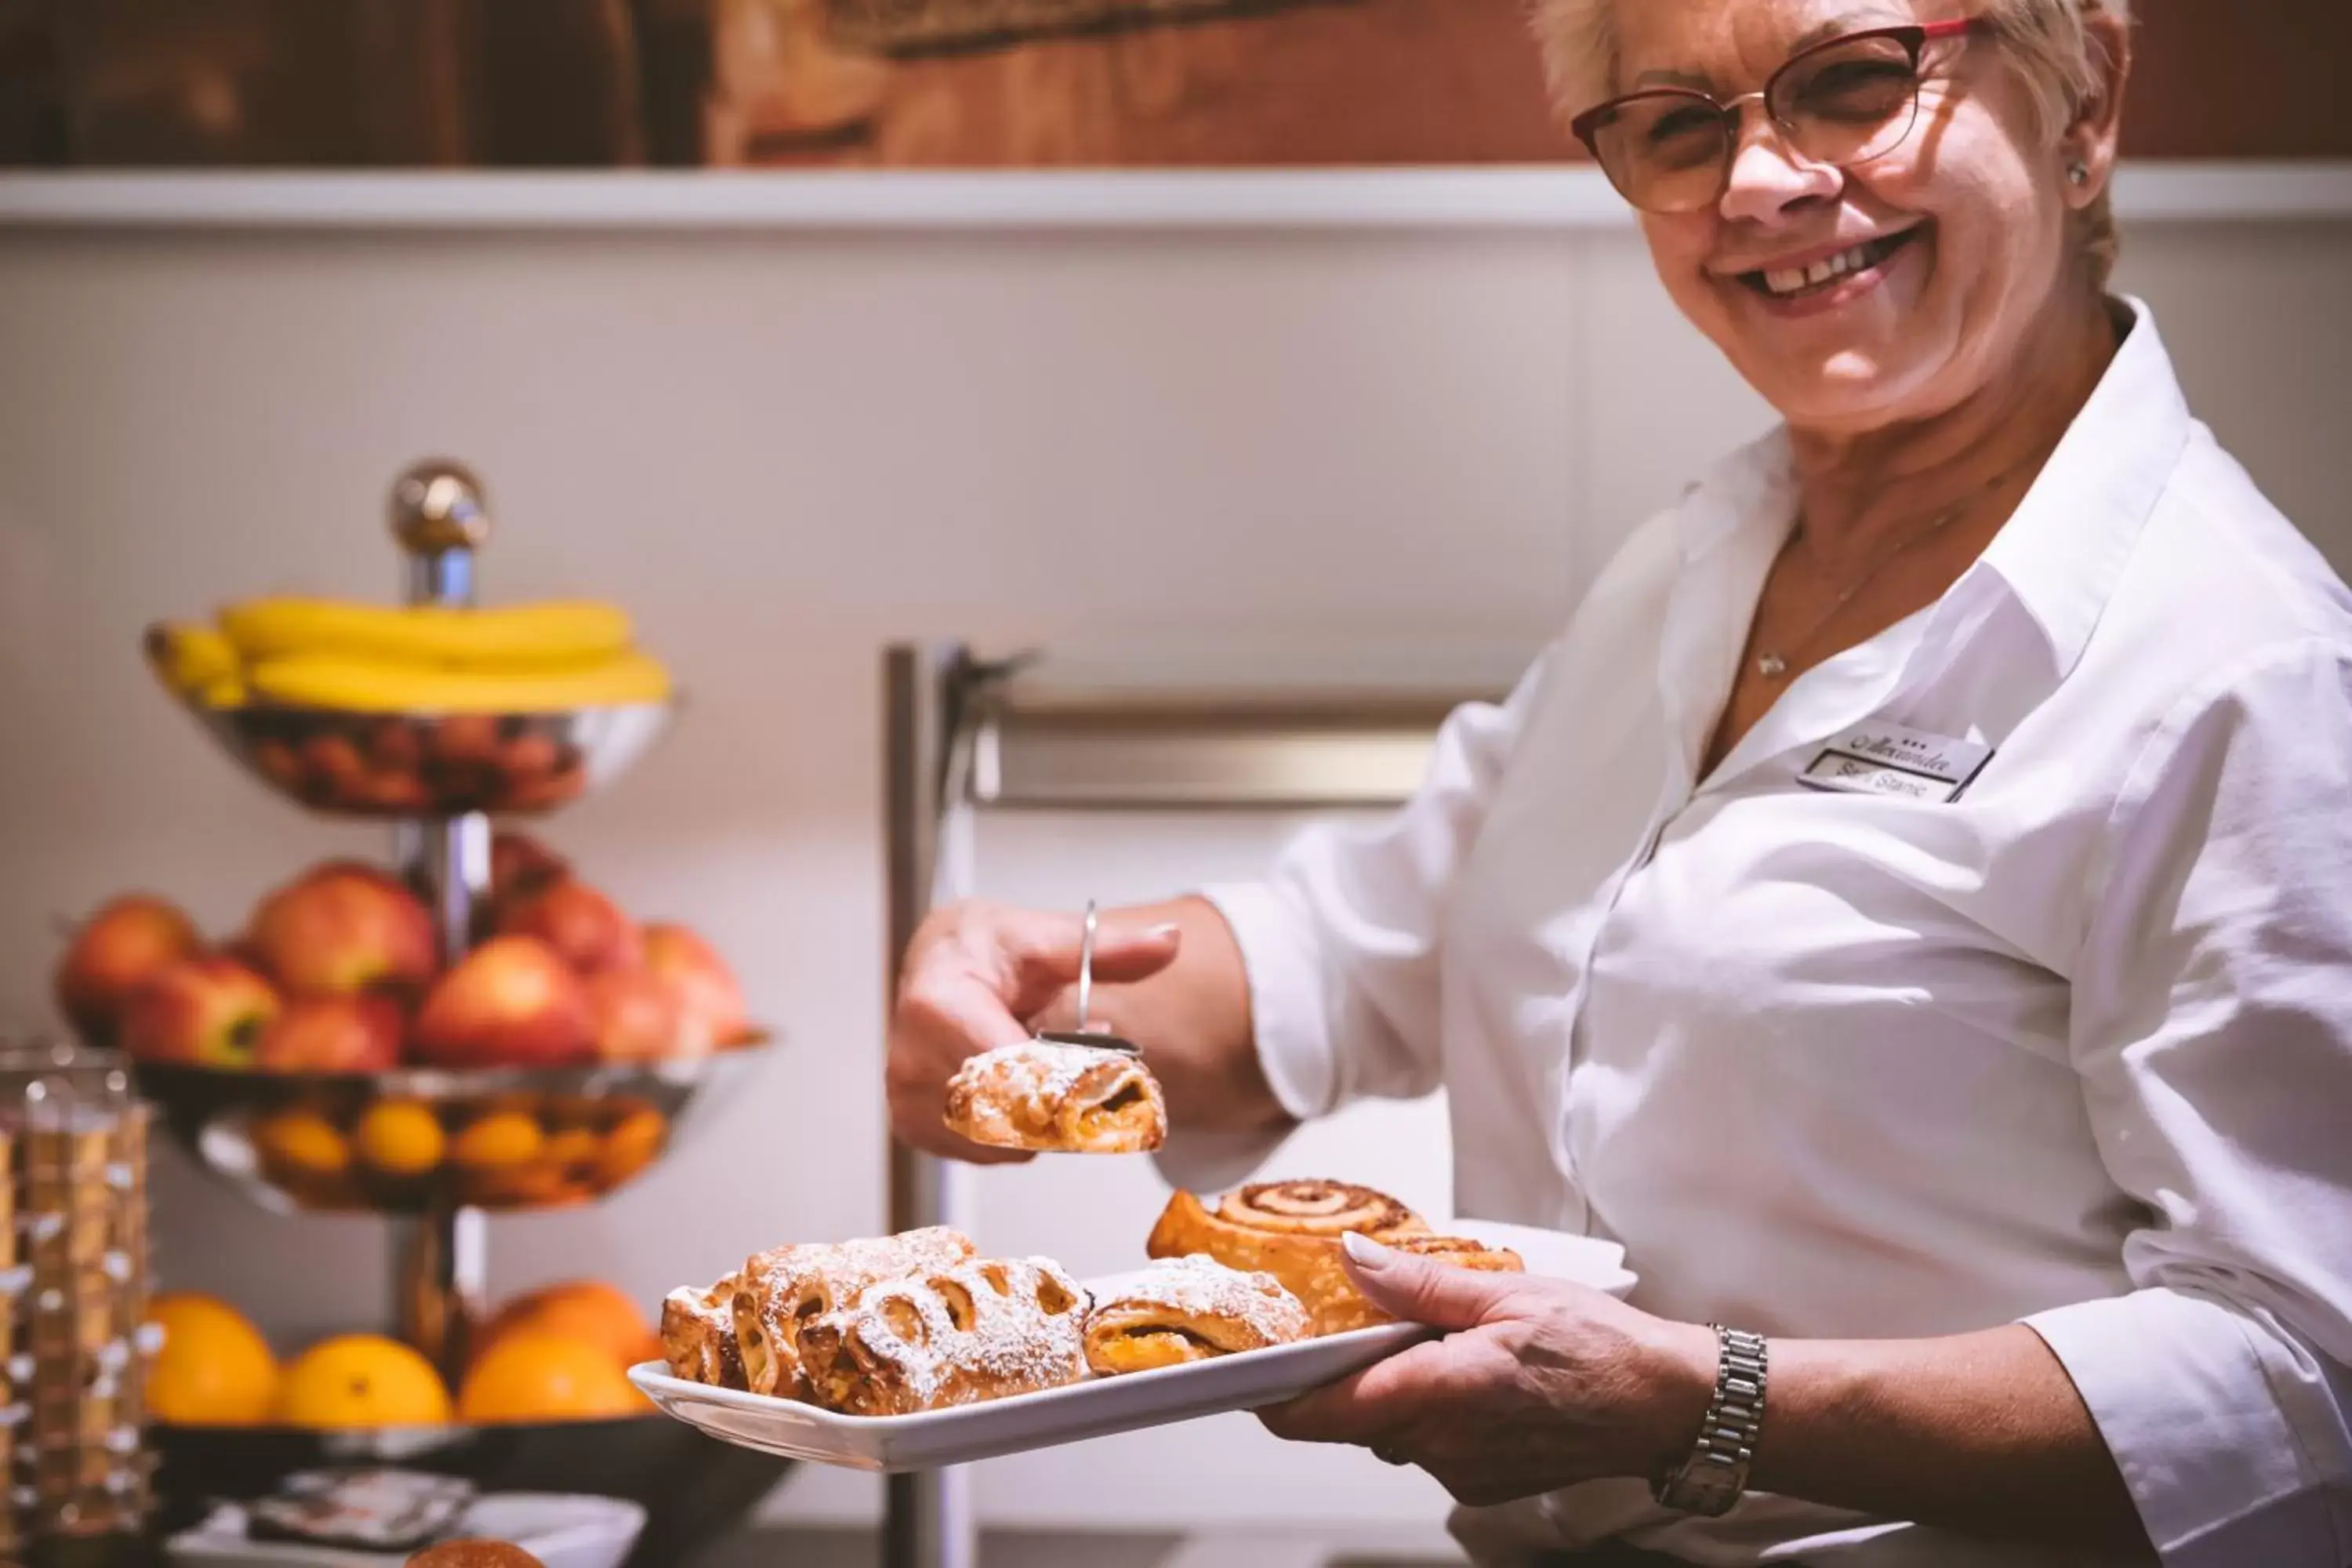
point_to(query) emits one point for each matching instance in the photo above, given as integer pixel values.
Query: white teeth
(1796, 279)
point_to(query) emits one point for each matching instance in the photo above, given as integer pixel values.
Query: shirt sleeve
(2212, 1031)
(1341, 943)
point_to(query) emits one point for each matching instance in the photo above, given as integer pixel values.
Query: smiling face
(1854, 298)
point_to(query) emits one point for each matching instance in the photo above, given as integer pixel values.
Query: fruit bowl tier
(693, 1489)
(422, 1141)
(401, 766)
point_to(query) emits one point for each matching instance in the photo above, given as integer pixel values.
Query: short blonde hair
(2058, 53)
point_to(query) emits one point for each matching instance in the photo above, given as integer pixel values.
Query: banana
(368, 686)
(190, 659)
(516, 636)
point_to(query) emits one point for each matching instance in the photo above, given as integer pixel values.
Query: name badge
(1879, 758)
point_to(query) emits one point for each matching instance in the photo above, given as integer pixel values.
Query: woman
(1907, 908)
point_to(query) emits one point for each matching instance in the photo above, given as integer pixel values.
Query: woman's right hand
(975, 975)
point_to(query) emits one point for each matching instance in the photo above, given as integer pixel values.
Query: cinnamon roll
(1290, 1230)
(984, 1329)
(779, 1293)
(1346, 1308)
(1048, 1097)
(1187, 1309)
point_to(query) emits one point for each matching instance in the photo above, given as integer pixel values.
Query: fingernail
(1165, 928)
(1363, 1250)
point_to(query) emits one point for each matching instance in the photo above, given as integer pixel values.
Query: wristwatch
(1712, 1478)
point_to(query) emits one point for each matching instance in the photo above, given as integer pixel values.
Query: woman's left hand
(1538, 1385)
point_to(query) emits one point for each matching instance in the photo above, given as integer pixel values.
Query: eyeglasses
(1843, 102)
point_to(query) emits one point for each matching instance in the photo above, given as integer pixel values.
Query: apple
(513, 1002)
(701, 980)
(575, 920)
(521, 866)
(114, 953)
(344, 928)
(639, 1018)
(206, 1011)
(333, 1034)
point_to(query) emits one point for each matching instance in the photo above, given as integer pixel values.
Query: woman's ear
(2091, 138)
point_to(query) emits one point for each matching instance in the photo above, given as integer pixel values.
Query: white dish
(1098, 1407)
(561, 1531)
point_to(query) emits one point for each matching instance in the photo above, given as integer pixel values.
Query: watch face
(1708, 1486)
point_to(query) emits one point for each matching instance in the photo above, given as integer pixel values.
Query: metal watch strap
(1712, 1478)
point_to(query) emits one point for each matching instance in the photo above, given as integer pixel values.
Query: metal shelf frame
(965, 735)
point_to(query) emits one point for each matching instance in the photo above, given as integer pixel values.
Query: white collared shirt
(2073, 1048)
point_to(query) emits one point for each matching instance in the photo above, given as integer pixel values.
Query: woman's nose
(1769, 175)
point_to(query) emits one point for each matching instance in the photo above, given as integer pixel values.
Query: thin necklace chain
(1773, 666)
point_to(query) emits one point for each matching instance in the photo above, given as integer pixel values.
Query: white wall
(783, 449)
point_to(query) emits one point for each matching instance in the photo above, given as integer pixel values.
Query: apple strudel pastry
(697, 1334)
(1050, 1096)
(982, 1330)
(779, 1293)
(1187, 1309)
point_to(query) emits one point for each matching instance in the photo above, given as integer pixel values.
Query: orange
(498, 1142)
(215, 1368)
(585, 1310)
(526, 1375)
(361, 1381)
(399, 1137)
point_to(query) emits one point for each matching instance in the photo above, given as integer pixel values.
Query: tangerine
(498, 1142)
(303, 1144)
(400, 1137)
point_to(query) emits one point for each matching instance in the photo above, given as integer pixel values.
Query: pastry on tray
(1190, 1309)
(1047, 1096)
(1290, 1230)
(780, 1291)
(698, 1333)
(982, 1330)
(1344, 1308)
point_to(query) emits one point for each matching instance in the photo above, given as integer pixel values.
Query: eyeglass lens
(1843, 103)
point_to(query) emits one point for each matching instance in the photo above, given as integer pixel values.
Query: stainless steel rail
(963, 734)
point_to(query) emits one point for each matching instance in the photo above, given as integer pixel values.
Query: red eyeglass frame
(1917, 34)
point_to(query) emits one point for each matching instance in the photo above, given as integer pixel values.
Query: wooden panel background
(863, 82)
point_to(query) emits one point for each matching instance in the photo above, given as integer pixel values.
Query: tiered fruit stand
(578, 1134)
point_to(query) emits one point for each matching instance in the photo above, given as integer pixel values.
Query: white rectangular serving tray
(1099, 1406)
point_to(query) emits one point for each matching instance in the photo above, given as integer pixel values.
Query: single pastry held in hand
(984, 1329)
(1190, 1309)
(1048, 1097)
(1344, 1308)
(779, 1293)
(1290, 1230)
(698, 1333)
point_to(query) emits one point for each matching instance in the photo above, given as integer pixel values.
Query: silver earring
(2079, 173)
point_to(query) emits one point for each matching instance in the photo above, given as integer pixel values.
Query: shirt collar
(2063, 550)
(1754, 487)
